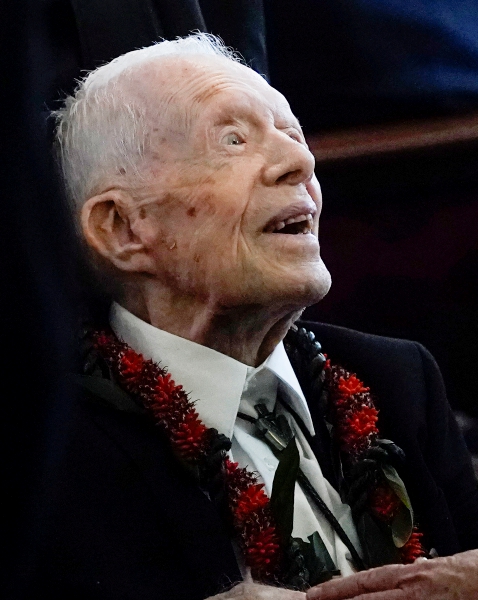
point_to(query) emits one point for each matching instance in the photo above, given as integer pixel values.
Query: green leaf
(315, 566)
(397, 485)
(320, 552)
(402, 524)
(108, 391)
(283, 488)
(402, 527)
(376, 540)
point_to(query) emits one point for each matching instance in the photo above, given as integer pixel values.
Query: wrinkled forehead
(182, 88)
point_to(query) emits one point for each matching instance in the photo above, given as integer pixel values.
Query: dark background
(399, 230)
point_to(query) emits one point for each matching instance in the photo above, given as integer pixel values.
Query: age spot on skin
(191, 212)
(122, 171)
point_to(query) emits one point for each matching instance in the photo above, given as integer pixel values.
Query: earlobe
(107, 229)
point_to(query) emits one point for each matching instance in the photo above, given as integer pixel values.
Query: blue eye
(232, 139)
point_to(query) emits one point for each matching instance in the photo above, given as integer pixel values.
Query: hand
(449, 578)
(255, 591)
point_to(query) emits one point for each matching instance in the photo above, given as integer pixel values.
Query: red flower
(231, 467)
(262, 553)
(165, 393)
(351, 386)
(102, 339)
(131, 365)
(189, 436)
(251, 500)
(362, 422)
(237, 480)
(413, 549)
(357, 429)
(384, 503)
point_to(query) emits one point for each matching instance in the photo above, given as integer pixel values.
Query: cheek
(207, 217)
(199, 219)
(187, 233)
(315, 191)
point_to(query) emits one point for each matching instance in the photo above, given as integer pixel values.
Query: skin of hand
(448, 578)
(255, 591)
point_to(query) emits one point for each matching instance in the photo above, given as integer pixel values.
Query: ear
(107, 229)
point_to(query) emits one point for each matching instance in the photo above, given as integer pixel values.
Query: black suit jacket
(126, 522)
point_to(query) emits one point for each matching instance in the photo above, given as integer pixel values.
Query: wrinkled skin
(448, 578)
(193, 247)
(254, 591)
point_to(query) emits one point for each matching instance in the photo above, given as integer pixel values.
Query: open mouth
(301, 224)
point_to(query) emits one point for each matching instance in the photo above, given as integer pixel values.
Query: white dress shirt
(221, 387)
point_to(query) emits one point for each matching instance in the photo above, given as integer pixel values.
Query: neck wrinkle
(248, 334)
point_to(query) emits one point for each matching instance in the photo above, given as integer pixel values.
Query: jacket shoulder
(349, 341)
(410, 395)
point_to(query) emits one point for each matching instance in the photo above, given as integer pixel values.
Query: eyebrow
(243, 110)
(293, 123)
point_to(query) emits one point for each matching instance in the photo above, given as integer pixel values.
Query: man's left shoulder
(408, 390)
(402, 375)
(339, 339)
(373, 356)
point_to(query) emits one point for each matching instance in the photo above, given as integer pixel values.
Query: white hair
(101, 131)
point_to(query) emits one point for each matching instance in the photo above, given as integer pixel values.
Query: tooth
(296, 219)
(280, 226)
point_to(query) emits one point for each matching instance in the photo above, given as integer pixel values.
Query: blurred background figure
(387, 93)
(370, 62)
(37, 304)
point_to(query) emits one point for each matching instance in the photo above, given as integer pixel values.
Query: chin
(316, 289)
(293, 288)
(301, 287)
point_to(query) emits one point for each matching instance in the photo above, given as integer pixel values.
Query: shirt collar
(214, 381)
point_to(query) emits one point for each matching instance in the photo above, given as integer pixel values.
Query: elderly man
(212, 442)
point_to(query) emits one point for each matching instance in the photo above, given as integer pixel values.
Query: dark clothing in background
(340, 64)
(398, 234)
(398, 229)
(36, 303)
(89, 33)
(344, 63)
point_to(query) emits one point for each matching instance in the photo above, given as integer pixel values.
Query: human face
(234, 199)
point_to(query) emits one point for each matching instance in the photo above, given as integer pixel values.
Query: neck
(246, 333)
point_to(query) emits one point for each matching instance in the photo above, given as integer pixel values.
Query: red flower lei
(354, 416)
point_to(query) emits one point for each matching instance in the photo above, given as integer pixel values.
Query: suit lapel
(189, 516)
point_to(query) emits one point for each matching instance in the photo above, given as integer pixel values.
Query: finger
(373, 580)
(254, 591)
(387, 595)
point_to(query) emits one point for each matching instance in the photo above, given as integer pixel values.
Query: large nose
(289, 162)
